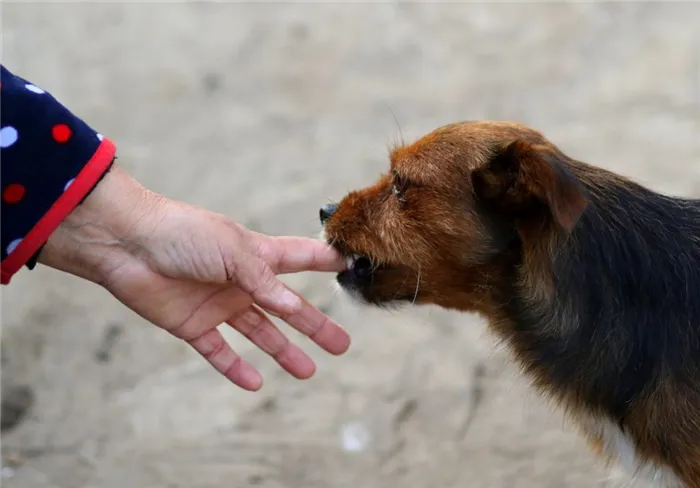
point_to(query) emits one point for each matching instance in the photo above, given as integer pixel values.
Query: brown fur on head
(593, 280)
(430, 229)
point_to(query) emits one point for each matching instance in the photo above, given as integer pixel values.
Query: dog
(591, 279)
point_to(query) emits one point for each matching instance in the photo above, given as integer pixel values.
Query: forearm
(97, 236)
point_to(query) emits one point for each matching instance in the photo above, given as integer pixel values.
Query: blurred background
(264, 112)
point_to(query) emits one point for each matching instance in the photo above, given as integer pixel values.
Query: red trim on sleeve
(40, 233)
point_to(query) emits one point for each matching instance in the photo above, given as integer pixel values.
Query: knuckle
(253, 323)
(216, 347)
(281, 350)
(263, 333)
(230, 370)
(317, 329)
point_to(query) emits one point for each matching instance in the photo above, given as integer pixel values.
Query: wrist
(96, 236)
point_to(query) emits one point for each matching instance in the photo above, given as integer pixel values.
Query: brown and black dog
(593, 280)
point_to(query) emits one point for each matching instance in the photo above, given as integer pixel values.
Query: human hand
(188, 270)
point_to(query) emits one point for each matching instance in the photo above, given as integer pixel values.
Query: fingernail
(291, 300)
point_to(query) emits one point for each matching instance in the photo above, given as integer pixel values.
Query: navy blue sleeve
(50, 160)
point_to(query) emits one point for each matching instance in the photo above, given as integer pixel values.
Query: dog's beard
(347, 296)
(352, 294)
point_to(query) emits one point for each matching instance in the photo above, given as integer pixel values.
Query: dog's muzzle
(359, 268)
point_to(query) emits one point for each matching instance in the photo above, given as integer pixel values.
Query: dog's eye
(399, 187)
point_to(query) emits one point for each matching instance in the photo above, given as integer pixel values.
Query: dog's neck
(609, 309)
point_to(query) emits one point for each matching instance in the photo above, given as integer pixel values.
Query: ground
(265, 112)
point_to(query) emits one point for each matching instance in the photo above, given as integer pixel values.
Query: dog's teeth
(351, 260)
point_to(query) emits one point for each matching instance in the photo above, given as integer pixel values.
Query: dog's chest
(621, 449)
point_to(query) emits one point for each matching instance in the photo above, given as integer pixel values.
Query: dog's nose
(327, 211)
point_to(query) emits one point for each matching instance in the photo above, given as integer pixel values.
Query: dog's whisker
(399, 290)
(398, 126)
(415, 295)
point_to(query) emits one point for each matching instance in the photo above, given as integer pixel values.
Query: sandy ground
(265, 112)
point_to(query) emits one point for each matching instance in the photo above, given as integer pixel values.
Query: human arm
(188, 270)
(184, 269)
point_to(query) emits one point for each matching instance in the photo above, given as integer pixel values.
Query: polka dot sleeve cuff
(50, 161)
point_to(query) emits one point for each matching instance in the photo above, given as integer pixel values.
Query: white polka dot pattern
(8, 136)
(34, 88)
(43, 146)
(13, 245)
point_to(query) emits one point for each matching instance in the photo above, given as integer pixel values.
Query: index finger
(294, 254)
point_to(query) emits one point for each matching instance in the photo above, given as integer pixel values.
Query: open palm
(195, 270)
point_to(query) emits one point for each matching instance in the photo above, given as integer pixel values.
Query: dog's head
(432, 229)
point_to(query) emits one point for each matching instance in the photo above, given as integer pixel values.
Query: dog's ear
(523, 179)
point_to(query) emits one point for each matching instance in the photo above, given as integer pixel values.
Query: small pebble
(355, 437)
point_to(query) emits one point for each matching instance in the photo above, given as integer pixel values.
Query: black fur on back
(626, 308)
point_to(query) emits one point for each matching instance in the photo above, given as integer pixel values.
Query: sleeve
(50, 160)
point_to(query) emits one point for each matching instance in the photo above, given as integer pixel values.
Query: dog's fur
(592, 279)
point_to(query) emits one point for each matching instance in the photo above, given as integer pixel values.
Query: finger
(318, 327)
(261, 283)
(262, 332)
(272, 295)
(294, 254)
(217, 304)
(216, 350)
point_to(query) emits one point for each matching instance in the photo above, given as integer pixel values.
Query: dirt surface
(265, 112)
